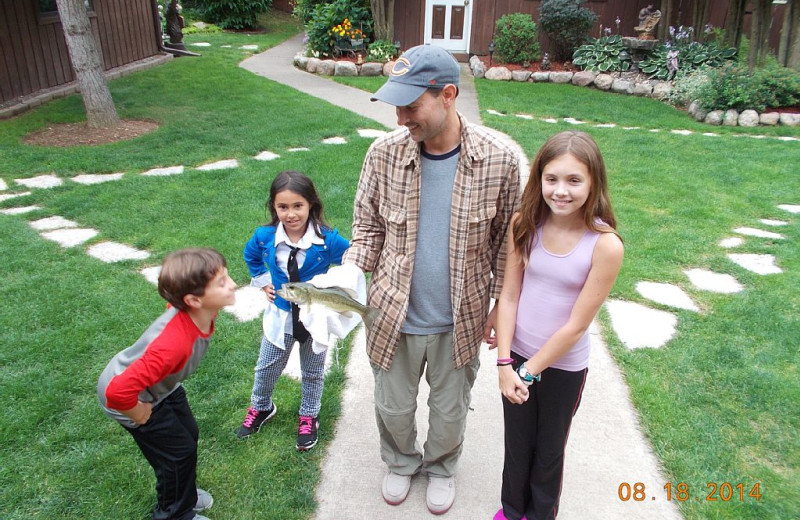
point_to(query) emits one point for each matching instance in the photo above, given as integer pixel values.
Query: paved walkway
(606, 448)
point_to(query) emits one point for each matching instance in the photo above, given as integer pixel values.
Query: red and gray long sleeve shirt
(168, 352)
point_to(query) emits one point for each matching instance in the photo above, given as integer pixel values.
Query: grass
(719, 402)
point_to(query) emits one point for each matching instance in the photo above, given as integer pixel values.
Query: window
(48, 10)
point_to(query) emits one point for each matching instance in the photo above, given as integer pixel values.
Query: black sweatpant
(169, 443)
(535, 440)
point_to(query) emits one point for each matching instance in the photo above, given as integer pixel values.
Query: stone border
(633, 84)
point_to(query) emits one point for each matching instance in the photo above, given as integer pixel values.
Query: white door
(447, 24)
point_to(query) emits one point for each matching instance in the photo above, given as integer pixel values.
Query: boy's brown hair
(188, 271)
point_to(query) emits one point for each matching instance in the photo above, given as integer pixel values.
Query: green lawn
(719, 402)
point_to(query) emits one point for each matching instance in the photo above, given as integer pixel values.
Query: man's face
(425, 118)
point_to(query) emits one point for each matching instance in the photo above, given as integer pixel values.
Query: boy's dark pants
(169, 443)
(535, 440)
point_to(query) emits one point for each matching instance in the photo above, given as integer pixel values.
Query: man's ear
(193, 301)
(450, 93)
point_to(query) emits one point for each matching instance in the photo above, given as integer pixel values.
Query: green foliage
(566, 24)
(517, 38)
(691, 54)
(232, 14)
(606, 54)
(686, 86)
(381, 51)
(736, 87)
(304, 9)
(320, 39)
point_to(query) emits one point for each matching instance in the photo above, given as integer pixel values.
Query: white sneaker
(204, 501)
(395, 488)
(441, 494)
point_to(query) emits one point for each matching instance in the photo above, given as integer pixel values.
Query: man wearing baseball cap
(430, 216)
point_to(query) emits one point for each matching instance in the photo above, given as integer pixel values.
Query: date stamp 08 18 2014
(714, 491)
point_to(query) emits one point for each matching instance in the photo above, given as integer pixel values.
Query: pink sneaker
(502, 516)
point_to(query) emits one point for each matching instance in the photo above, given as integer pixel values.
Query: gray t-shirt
(430, 310)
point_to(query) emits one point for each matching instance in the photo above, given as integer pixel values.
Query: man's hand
(488, 329)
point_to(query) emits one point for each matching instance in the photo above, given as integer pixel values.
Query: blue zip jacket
(259, 254)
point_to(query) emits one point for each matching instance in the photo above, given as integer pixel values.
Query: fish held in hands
(334, 298)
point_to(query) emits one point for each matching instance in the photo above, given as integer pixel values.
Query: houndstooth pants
(271, 364)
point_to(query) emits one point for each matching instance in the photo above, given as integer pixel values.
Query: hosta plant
(605, 54)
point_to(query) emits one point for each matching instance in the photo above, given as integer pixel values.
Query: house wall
(33, 51)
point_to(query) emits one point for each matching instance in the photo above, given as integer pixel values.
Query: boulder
(498, 73)
(301, 61)
(790, 119)
(769, 118)
(312, 64)
(387, 68)
(345, 68)
(478, 68)
(621, 86)
(748, 118)
(540, 77)
(326, 67)
(731, 118)
(693, 106)
(642, 89)
(662, 90)
(520, 75)
(372, 69)
(583, 78)
(714, 118)
(604, 81)
(560, 77)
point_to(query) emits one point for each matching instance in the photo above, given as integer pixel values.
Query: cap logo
(401, 67)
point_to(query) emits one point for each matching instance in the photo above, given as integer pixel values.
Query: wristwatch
(527, 377)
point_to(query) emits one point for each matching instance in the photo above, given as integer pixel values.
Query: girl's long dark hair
(598, 214)
(299, 183)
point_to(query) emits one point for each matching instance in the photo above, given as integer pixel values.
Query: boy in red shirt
(140, 387)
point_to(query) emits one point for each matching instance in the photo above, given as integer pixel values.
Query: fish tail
(370, 316)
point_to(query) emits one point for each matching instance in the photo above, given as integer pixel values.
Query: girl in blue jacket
(295, 246)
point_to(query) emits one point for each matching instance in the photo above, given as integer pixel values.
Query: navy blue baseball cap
(418, 69)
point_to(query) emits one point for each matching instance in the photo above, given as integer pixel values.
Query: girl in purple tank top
(564, 255)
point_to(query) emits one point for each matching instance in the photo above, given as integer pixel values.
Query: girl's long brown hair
(597, 212)
(299, 183)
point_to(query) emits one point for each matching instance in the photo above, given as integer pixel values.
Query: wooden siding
(33, 51)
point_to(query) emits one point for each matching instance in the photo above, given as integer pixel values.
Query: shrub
(733, 87)
(603, 55)
(381, 51)
(782, 85)
(319, 29)
(566, 24)
(687, 85)
(517, 38)
(691, 54)
(304, 9)
(232, 14)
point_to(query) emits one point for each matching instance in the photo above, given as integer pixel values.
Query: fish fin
(370, 316)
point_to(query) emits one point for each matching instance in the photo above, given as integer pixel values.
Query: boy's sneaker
(307, 433)
(254, 420)
(204, 500)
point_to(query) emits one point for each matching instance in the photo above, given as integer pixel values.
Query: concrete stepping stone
(50, 223)
(759, 264)
(111, 252)
(151, 274)
(606, 125)
(524, 116)
(573, 121)
(495, 113)
(791, 208)
(550, 120)
(710, 134)
(631, 127)
(9, 196)
(161, 172)
(96, 178)
(654, 130)
(249, 47)
(682, 132)
(70, 237)
(787, 138)
(200, 44)
(731, 242)
(334, 140)
(773, 223)
(299, 149)
(370, 133)
(666, 294)
(40, 181)
(638, 326)
(225, 164)
(3, 185)
(714, 282)
(753, 232)
(250, 304)
(19, 210)
(266, 155)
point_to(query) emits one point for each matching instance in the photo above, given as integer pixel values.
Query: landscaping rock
(790, 119)
(662, 90)
(326, 67)
(478, 69)
(604, 81)
(387, 68)
(372, 69)
(621, 86)
(560, 77)
(714, 118)
(583, 78)
(769, 118)
(700, 114)
(541, 76)
(748, 118)
(520, 75)
(311, 65)
(345, 68)
(731, 118)
(693, 106)
(498, 73)
(642, 89)
(300, 61)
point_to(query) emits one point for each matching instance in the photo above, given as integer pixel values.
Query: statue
(672, 63)
(174, 25)
(648, 19)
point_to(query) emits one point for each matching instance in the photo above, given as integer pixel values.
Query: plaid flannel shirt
(385, 223)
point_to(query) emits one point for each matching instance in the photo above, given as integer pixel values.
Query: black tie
(298, 330)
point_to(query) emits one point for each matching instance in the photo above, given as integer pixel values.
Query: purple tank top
(550, 286)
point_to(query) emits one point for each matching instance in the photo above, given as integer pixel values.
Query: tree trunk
(85, 56)
(383, 16)
(666, 20)
(699, 18)
(789, 49)
(759, 33)
(733, 24)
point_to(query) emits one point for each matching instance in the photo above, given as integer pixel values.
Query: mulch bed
(79, 134)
